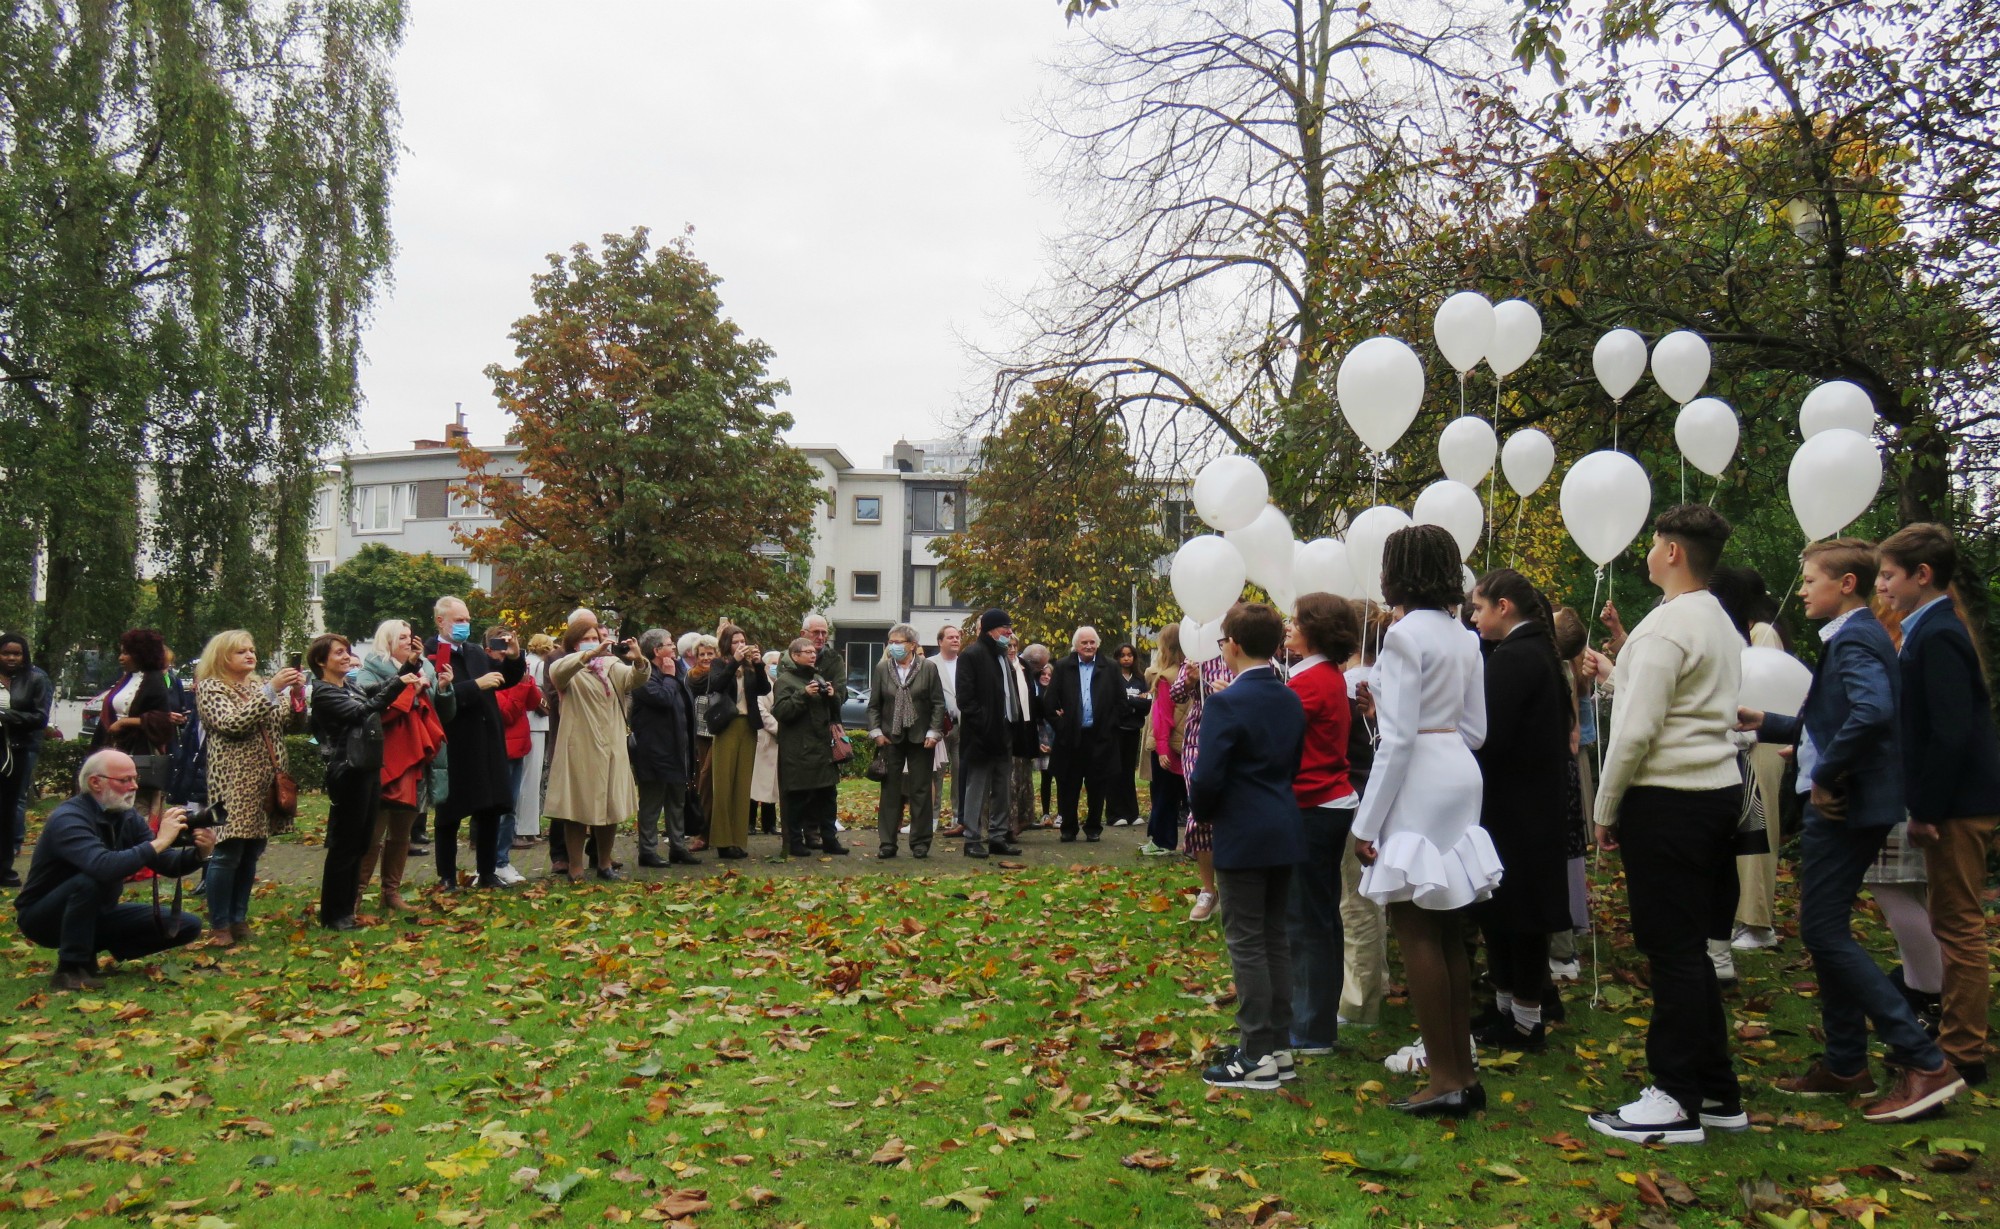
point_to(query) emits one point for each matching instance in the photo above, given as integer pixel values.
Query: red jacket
(515, 702)
(1322, 776)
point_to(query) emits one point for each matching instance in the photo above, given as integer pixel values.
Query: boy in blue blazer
(1850, 761)
(1951, 769)
(1252, 734)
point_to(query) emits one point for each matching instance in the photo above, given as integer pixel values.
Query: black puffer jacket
(339, 711)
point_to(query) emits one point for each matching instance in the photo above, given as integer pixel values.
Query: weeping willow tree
(193, 224)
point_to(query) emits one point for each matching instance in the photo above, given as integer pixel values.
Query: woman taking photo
(1417, 834)
(137, 715)
(701, 799)
(591, 783)
(735, 681)
(1123, 804)
(412, 735)
(244, 718)
(347, 724)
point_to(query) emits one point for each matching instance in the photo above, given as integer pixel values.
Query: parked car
(854, 713)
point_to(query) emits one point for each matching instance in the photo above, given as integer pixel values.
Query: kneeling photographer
(88, 848)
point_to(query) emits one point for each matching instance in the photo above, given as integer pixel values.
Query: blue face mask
(897, 652)
(461, 631)
(1003, 641)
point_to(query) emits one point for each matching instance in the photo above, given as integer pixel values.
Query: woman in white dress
(1417, 835)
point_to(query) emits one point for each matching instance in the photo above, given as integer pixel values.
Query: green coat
(805, 737)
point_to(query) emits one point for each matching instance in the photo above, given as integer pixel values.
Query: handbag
(1753, 836)
(720, 712)
(153, 771)
(281, 801)
(843, 750)
(878, 765)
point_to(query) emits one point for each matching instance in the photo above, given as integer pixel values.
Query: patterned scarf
(904, 715)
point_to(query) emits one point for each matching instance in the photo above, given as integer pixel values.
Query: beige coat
(590, 778)
(764, 773)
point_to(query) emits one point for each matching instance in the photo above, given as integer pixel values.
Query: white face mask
(587, 646)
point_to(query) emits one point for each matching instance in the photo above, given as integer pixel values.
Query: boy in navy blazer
(1252, 734)
(1951, 769)
(1850, 761)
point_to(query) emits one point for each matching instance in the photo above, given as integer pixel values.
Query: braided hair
(1421, 569)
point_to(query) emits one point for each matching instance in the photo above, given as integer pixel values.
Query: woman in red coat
(412, 736)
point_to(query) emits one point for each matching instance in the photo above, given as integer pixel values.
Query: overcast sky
(854, 171)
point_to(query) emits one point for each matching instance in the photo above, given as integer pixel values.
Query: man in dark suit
(1850, 762)
(476, 743)
(662, 751)
(992, 704)
(1252, 735)
(1085, 701)
(1951, 773)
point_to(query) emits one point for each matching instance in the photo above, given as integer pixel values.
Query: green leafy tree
(657, 485)
(194, 211)
(381, 582)
(1065, 524)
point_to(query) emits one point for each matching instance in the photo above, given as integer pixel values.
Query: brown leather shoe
(1915, 1093)
(219, 938)
(74, 979)
(1818, 1081)
(240, 931)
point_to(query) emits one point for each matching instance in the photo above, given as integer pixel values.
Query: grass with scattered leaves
(870, 1050)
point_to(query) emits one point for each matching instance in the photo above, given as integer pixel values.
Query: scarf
(904, 715)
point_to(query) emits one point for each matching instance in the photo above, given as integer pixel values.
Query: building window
(1178, 519)
(320, 567)
(323, 504)
(927, 586)
(934, 510)
(867, 509)
(867, 586)
(384, 508)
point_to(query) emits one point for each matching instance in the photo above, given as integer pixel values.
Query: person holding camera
(516, 704)
(662, 752)
(475, 745)
(89, 847)
(412, 739)
(806, 706)
(242, 718)
(590, 782)
(735, 682)
(347, 725)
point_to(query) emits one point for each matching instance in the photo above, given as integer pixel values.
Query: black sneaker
(1507, 1034)
(1232, 1070)
(1719, 1116)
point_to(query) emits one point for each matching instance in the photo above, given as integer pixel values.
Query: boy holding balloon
(1850, 761)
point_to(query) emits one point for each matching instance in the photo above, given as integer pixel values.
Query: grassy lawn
(869, 1050)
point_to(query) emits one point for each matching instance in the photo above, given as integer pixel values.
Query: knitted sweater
(1676, 686)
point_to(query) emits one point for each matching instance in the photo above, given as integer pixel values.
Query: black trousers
(1124, 803)
(812, 810)
(1679, 849)
(353, 797)
(485, 843)
(1087, 772)
(74, 920)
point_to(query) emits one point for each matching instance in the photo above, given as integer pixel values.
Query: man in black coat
(662, 721)
(1085, 701)
(476, 744)
(991, 705)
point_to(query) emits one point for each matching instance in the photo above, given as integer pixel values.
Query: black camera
(496, 644)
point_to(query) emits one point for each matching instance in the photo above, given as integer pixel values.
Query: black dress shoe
(11, 879)
(612, 874)
(925, 852)
(1450, 1105)
(970, 852)
(887, 851)
(835, 849)
(798, 851)
(651, 861)
(1069, 838)
(730, 853)
(1505, 1034)
(1974, 1074)
(1093, 837)
(343, 923)
(683, 857)
(998, 848)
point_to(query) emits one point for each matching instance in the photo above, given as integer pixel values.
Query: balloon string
(1461, 393)
(1786, 597)
(1617, 406)
(1684, 479)
(1597, 751)
(1514, 539)
(1493, 473)
(1717, 491)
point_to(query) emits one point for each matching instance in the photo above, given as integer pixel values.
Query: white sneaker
(1725, 964)
(1204, 907)
(1412, 1058)
(1565, 970)
(509, 876)
(1233, 1070)
(1752, 938)
(905, 829)
(1655, 1118)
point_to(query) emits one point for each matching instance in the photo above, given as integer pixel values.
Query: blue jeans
(232, 872)
(503, 853)
(1853, 990)
(14, 791)
(1163, 827)
(1312, 923)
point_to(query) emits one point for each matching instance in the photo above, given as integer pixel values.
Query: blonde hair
(542, 643)
(387, 632)
(219, 646)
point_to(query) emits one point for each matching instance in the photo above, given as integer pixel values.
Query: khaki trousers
(1956, 866)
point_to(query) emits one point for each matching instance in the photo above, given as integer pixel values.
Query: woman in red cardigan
(1324, 631)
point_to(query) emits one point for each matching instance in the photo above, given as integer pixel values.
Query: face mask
(1004, 641)
(588, 646)
(897, 652)
(461, 632)
(354, 673)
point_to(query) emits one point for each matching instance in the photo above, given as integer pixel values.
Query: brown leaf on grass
(1147, 1159)
(626, 1174)
(1948, 1161)
(1649, 1191)
(1812, 1124)
(1013, 866)
(683, 1203)
(895, 1152)
(1676, 1191)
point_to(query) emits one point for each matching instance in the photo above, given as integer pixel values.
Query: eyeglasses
(130, 778)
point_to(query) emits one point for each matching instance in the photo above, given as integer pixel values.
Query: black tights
(1518, 963)
(1433, 945)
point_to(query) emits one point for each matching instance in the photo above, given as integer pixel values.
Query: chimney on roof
(454, 431)
(906, 459)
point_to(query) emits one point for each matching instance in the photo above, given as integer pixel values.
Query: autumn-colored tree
(1065, 524)
(657, 486)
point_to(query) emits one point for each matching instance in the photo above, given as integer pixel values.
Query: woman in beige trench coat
(590, 779)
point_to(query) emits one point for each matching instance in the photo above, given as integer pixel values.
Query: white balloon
(1201, 642)
(1834, 477)
(1606, 498)
(1527, 460)
(1322, 567)
(1707, 432)
(1380, 385)
(1466, 579)
(1680, 364)
(1619, 360)
(1837, 403)
(1367, 534)
(1774, 681)
(1230, 492)
(1517, 332)
(1465, 449)
(1266, 546)
(1207, 576)
(1455, 506)
(1464, 329)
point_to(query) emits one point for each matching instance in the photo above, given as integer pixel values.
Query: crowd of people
(1336, 775)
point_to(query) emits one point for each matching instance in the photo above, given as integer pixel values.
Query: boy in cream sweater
(1670, 798)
